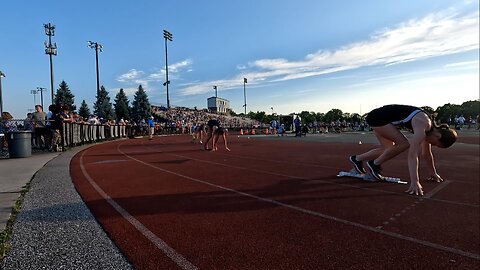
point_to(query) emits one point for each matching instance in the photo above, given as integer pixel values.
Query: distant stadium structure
(218, 105)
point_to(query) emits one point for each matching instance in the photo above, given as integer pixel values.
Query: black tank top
(397, 115)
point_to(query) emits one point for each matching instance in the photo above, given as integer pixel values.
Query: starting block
(370, 178)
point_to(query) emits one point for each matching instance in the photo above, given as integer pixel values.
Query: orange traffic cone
(241, 131)
(266, 131)
(253, 131)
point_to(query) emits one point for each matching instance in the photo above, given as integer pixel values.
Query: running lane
(276, 205)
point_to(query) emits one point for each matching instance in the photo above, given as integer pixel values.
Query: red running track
(277, 204)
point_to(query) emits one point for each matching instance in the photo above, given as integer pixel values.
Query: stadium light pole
(215, 88)
(167, 36)
(50, 49)
(97, 47)
(41, 89)
(34, 93)
(245, 95)
(2, 75)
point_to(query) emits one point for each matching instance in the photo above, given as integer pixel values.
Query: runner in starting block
(370, 178)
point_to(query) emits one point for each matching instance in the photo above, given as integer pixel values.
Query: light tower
(50, 49)
(97, 47)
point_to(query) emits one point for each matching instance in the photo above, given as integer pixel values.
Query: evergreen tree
(121, 105)
(103, 107)
(140, 105)
(84, 111)
(65, 97)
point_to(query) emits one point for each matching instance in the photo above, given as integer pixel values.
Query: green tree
(65, 97)
(355, 118)
(121, 105)
(446, 112)
(229, 112)
(259, 116)
(307, 117)
(140, 105)
(84, 111)
(333, 115)
(103, 107)
(320, 117)
(470, 109)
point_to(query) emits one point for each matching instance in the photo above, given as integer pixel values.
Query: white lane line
(162, 245)
(437, 189)
(109, 161)
(313, 213)
(319, 181)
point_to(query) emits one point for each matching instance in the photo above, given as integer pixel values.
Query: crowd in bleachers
(183, 120)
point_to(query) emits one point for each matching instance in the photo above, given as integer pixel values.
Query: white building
(218, 105)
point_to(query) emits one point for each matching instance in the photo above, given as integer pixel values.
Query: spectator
(281, 130)
(39, 129)
(151, 127)
(298, 125)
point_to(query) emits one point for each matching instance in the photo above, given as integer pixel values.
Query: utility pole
(50, 49)
(245, 95)
(97, 47)
(167, 36)
(34, 93)
(2, 75)
(41, 89)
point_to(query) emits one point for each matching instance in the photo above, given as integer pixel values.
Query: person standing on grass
(386, 122)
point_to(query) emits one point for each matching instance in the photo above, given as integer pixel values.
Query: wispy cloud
(173, 70)
(131, 75)
(462, 64)
(134, 76)
(434, 35)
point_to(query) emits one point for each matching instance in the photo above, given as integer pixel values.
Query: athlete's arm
(430, 163)
(420, 124)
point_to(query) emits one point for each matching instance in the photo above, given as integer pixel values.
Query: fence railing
(71, 134)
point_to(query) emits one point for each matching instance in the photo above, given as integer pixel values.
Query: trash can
(19, 143)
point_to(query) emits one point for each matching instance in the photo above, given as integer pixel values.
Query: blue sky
(297, 55)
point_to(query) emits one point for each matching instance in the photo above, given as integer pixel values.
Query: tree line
(141, 109)
(103, 107)
(443, 114)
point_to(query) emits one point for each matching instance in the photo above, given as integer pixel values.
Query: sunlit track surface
(255, 207)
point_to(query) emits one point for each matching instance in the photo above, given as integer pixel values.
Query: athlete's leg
(393, 143)
(390, 136)
(215, 141)
(225, 141)
(209, 136)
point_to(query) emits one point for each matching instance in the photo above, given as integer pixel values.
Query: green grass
(7, 233)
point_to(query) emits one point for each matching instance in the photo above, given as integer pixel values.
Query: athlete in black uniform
(220, 132)
(212, 124)
(386, 122)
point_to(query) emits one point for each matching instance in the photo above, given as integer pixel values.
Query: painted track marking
(320, 181)
(314, 213)
(162, 245)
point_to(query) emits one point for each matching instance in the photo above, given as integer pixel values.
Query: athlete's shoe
(357, 165)
(374, 170)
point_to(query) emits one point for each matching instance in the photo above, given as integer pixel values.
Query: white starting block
(370, 178)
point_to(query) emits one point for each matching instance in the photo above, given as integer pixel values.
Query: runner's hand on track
(437, 178)
(415, 188)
